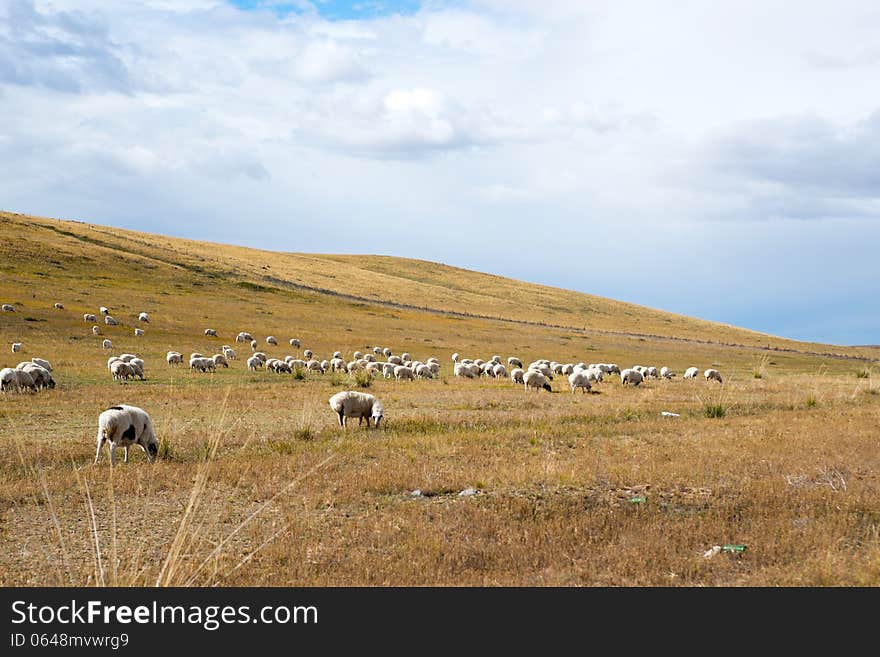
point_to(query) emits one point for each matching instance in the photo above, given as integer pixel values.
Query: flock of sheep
(124, 426)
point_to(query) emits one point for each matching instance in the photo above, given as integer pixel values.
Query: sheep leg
(125, 454)
(112, 453)
(341, 420)
(100, 445)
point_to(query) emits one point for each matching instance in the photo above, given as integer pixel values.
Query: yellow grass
(260, 487)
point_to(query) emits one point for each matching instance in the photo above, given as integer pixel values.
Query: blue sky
(720, 160)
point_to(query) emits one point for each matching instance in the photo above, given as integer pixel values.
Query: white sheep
(109, 321)
(631, 376)
(40, 375)
(220, 359)
(254, 345)
(308, 354)
(314, 366)
(403, 373)
(294, 342)
(363, 406)
(212, 333)
(104, 310)
(42, 363)
(25, 380)
(395, 360)
(336, 355)
(59, 306)
(254, 363)
(579, 379)
(651, 372)
(535, 379)
(138, 333)
(691, 373)
(271, 340)
(666, 373)
(124, 426)
(8, 380)
(8, 308)
(144, 317)
(713, 375)
(516, 375)
(16, 347)
(89, 317)
(107, 344)
(499, 371)
(377, 351)
(122, 370)
(174, 358)
(229, 352)
(96, 330)
(386, 352)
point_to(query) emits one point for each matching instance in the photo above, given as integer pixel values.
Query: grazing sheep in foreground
(106, 344)
(631, 376)
(138, 333)
(41, 376)
(89, 317)
(666, 373)
(229, 352)
(363, 406)
(314, 366)
(174, 358)
(713, 375)
(16, 347)
(513, 361)
(254, 363)
(651, 372)
(144, 317)
(220, 359)
(580, 380)
(516, 375)
(59, 306)
(212, 333)
(536, 380)
(124, 426)
(691, 373)
(499, 371)
(25, 380)
(8, 308)
(109, 321)
(122, 371)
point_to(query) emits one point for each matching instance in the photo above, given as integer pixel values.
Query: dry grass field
(257, 485)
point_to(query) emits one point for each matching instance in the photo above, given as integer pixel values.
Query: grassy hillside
(257, 485)
(397, 282)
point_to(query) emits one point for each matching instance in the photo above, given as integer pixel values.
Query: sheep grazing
(466, 370)
(106, 344)
(631, 376)
(96, 330)
(357, 355)
(104, 310)
(24, 381)
(8, 380)
(377, 351)
(211, 333)
(395, 360)
(58, 306)
(386, 352)
(220, 359)
(294, 342)
(666, 373)
(423, 371)
(314, 366)
(124, 426)
(499, 371)
(202, 364)
(713, 375)
(8, 308)
(254, 345)
(138, 333)
(516, 375)
(336, 354)
(536, 380)
(41, 377)
(308, 354)
(691, 373)
(271, 340)
(513, 361)
(403, 373)
(254, 363)
(109, 321)
(42, 363)
(144, 317)
(174, 358)
(363, 406)
(16, 347)
(243, 337)
(89, 317)
(651, 372)
(580, 379)
(122, 371)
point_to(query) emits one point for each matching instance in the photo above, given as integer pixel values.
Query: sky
(719, 160)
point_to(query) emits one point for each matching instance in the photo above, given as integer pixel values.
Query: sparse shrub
(811, 401)
(760, 367)
(337, 380)
(166, 449)
(714, 410)
(863, 374)
(298, 373)
(757, 374)
(304, 433)
(362, 378)
(281, 446)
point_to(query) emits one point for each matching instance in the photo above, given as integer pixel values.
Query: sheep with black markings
(89, 317)
(631, 377)
(691, 373)
(144, 317)
(211, 333)
(535, 379)
(124, 426)
(713, 375)
(579, 379)
(109, 321)
(107, 344)
(16, 347)
(8, 308)
(363, 406)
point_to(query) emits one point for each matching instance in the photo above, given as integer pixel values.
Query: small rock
(416, 493)
(712, 551)
(668, 414)
(467, 492)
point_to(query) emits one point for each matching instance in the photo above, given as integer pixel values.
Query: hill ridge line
(456, 313)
